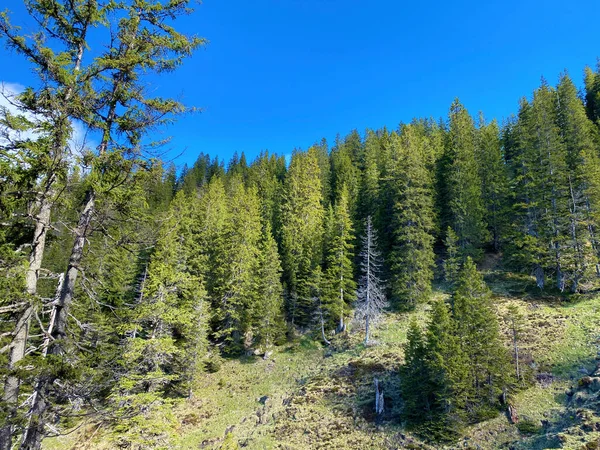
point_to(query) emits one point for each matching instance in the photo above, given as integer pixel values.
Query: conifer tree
(541, 208)
(344, 170)
(583, 179)
(478, 333)
(371, 292)
(302, 234)
(341, 287)
(264, 175)
(418, 391)
(166, 339)
(466, 211)
(115, 105)
(448, 369)
(370, 185)
(412, 256)
(321, 151)
(268, 320)
(452, 259)
(494, 178)
(592, 93)
(234, 287)
(56, 52)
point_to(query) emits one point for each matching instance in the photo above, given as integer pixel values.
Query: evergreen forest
(429, 286)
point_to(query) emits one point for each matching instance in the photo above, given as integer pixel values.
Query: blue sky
(282, 74)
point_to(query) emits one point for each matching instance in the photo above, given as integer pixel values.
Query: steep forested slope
(146, 308)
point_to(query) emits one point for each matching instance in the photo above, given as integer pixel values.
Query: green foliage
(302, 218)
(479, 334)
(466, 209)
(494, 180)
(411, 257)
(456, 372)
(268, 321)
(234, 284)
(452, 259)
(340, 287)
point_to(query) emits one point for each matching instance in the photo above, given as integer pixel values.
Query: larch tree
(142, 40)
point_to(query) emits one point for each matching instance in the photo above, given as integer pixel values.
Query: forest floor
(309, 396)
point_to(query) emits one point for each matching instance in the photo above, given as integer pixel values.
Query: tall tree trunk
(34, 432)
(21, 333)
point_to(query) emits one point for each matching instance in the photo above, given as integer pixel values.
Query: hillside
(435, 282)
(310, 396)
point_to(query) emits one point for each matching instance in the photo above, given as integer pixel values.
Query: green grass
(321, 397)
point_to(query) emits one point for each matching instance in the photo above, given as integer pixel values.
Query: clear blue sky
(280, 74)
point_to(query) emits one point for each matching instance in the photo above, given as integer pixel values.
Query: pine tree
(412, 256)
(371, 291)
(341, 287)
(466, 211)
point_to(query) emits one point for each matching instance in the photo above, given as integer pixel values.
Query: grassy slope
(323, 398)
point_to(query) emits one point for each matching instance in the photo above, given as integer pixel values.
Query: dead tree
(371, 299)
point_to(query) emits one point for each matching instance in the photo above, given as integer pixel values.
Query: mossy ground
(308, 396)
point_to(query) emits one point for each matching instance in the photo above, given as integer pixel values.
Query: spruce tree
(466, 210)
(302, 218)
(448, 369)
(418, 391)
(478, 333)
(412, 256)
(592, 93)
(166, 335)
(369, 202)
(341, 287)
(234, 287)
(540, 231)
(268, 314)
(494, 178)
(344, 169)
(583, 179)
(451, 262)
